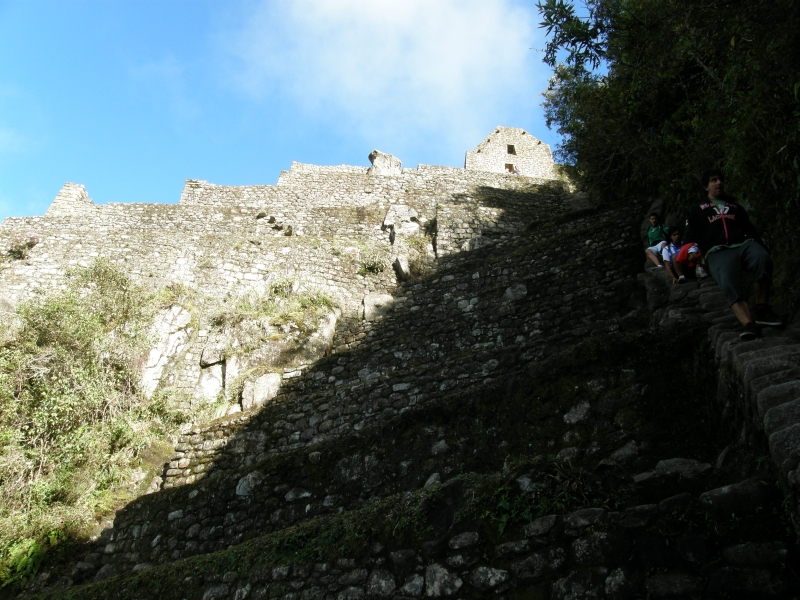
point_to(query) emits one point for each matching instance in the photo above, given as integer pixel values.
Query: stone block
(540, 526)
(671, 584)
(739, 498)
(401, 268)
(440, 582)
(752, 554)
(487, 578)
(743, 353)
(211, 355)
(776, 395)
(256, 393)
(781, 417)
(377, 305)
(211, 382)
(779, 359)
(746, 581)
(782, 443)
(384, 164)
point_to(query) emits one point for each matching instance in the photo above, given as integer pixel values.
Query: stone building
(512, 150)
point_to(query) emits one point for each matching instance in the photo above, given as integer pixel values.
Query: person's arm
(667, 258)
(747, 226)
(669, 265)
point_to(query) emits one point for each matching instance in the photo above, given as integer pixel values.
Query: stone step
(677, 546)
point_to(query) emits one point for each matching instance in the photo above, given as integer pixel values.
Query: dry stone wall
(444, 334)
(511, 148)
(487, 315)
(589, 553)
(319, 227)
(219, 253)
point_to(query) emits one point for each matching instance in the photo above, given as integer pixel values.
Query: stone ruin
(315, 227)
(490, 331)
(512, 150)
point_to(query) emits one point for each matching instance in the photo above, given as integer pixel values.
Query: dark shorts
(726, 266)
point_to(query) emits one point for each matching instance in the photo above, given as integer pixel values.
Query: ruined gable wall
(533, 157)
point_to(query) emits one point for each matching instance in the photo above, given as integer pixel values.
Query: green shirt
(657, 233)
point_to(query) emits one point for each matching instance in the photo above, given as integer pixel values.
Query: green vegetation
(280, 305)
(690, 84)
(73, 428)
(371, 264)
(21, 243)
(556, 488)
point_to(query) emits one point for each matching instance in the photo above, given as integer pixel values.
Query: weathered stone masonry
(317, 227)
(520, 276)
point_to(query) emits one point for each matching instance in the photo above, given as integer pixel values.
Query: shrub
(72, 426)
(21, 243)
(282, 304)
(371, 265)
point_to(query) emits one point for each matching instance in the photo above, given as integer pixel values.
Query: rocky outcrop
(384, 164)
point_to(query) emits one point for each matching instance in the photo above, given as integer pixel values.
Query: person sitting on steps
(669, 255)
(657, 237)
(723, 232)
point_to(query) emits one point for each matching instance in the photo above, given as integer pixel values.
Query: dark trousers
(726, 266)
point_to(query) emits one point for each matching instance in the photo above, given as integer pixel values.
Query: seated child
(669, 254)
(689, 257)
(657, 237)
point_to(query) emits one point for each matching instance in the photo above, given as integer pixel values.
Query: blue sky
(131, 98)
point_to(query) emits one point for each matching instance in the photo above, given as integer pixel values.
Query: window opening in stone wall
(509, 168)
(511, 149)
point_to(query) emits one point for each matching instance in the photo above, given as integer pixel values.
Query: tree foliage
(690, 84)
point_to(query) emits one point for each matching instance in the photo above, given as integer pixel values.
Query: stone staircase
(559, 474)
(759, 380)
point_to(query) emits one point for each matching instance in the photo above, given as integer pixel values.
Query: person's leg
(742, 311)
(761, 289)
(756, 259)
(651, 256)
(726, 270)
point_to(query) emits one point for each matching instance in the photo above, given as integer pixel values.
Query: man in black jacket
(730, 243)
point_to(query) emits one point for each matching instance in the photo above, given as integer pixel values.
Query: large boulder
(401, 220)
(401, 268)
(212, 382)
(320, 342)
(384, 164)
(377, 305)
(256, 393)
(170, 331)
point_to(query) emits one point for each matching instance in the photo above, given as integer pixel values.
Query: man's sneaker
(750, 332)
(701, 272)
(765, 316)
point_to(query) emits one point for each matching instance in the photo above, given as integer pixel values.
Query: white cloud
(410, 67)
